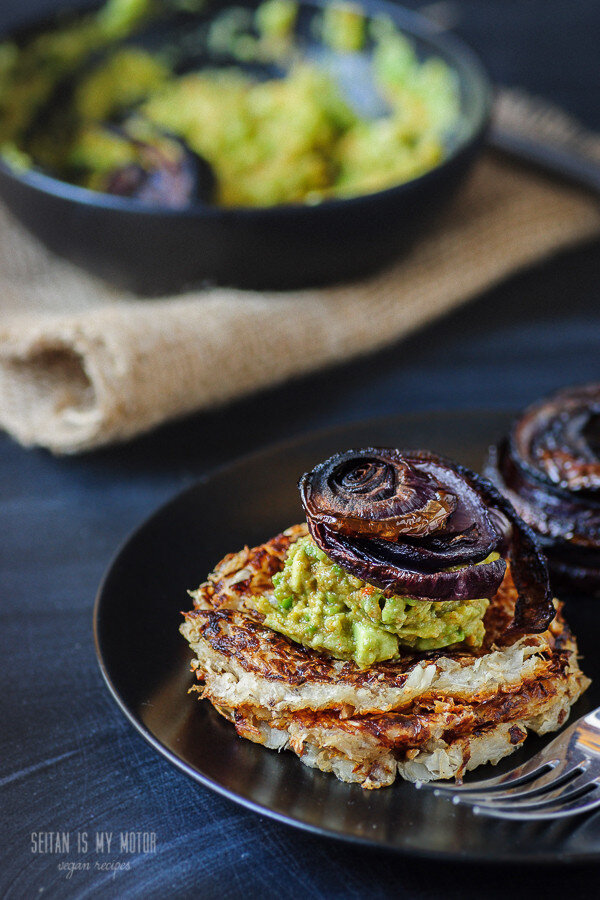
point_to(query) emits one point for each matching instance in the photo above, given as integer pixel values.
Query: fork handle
(570, 164)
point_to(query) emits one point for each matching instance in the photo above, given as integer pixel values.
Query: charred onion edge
(534, 609)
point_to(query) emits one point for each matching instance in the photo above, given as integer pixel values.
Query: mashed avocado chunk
(343, 27)
(275, 19)
(317, 604)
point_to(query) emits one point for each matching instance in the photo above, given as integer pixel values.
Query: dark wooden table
(68, 760)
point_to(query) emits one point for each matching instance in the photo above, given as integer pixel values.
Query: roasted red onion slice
(375, 563)
(549, 468)
(401, 520)
(166, 174)
(375, 493)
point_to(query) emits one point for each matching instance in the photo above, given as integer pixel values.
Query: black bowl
(153, 250)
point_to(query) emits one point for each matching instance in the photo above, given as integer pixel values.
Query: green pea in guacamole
(319, 605)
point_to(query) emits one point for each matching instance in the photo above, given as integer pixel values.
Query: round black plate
(145, 661)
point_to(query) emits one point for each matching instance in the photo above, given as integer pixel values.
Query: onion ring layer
(419, 525)
(549, 468)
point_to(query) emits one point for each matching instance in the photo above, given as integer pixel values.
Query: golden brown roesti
(300, 653)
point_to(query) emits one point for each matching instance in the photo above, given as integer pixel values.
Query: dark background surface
(69, 761)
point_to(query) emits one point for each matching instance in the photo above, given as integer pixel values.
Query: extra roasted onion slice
(549, 468)
(416, 524)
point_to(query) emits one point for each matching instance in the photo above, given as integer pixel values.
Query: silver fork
(561, 780)
(534, 130)
(529, 128)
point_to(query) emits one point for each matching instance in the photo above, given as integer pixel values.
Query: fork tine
(551, 792)
(555, 783)
(548, 779)
(524, 774)
(580, 804)
(546, 760)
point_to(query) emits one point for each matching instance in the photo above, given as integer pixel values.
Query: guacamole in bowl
(238, 105)
(164, 144)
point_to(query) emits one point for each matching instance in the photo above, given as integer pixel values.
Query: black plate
(145, 661)
(155, 250)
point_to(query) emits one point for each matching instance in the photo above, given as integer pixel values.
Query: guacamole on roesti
(316, 603)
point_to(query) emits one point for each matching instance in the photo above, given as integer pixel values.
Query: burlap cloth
(83, 365)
